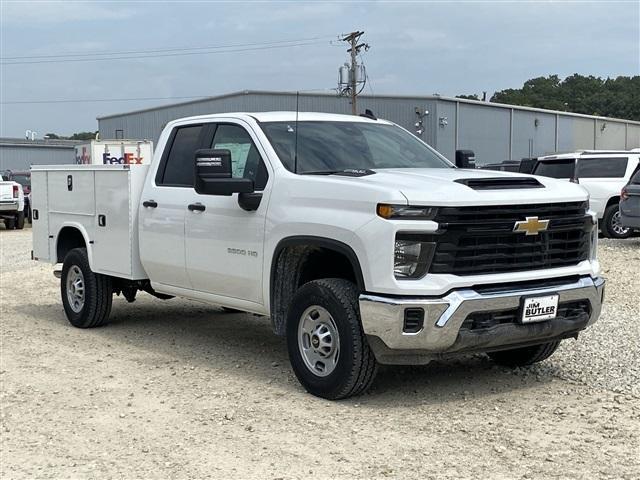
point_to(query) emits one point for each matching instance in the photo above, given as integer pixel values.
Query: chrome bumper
(383, 317)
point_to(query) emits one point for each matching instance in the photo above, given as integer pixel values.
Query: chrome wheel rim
(318, 341)
(75, 288)
(616, 224)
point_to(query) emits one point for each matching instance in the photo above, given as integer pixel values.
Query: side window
(179, 166)
(614, 167)
(245, 158)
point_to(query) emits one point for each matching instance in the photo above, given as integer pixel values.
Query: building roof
(39, 143)
(370, 97)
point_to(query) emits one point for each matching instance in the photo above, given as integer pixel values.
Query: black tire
(356, 366)
(98, 292)
(608, 223)
(19, 222)
(10, 223)
(521, 357)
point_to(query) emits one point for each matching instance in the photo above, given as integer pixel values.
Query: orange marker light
(384, 210)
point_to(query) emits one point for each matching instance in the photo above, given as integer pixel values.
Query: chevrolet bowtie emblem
(531, 226)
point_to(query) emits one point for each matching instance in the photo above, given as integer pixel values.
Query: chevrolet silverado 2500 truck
(360, 242)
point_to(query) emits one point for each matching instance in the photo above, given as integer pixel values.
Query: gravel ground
(178, 389)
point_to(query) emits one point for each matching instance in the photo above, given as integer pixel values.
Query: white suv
(603, 173)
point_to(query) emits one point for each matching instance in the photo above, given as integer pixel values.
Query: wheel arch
(289, 272)
(613, 201)
(72, 235)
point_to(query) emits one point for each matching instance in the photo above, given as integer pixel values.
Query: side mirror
(213, 174)
(465, 159)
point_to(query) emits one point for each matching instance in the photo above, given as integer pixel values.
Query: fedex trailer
(112, 152)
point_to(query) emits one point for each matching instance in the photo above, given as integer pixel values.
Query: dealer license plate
(539, 309)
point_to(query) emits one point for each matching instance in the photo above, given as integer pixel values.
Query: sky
(417, 47)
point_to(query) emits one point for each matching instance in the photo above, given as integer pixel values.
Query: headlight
(412, 256)
(387, 211)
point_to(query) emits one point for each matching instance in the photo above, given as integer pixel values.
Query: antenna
(295, 153)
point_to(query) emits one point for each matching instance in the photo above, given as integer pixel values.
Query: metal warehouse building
(20, 154)
(495, 132)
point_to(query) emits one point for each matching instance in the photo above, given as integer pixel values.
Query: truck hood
(440, 186)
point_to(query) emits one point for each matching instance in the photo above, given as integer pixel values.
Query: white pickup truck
(360, 242)
(11, 204)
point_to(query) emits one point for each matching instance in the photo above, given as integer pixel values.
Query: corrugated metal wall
(495, 133)
(148, 124)
(22, 156)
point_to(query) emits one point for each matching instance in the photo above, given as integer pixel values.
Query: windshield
(325, 147)
(556, 168)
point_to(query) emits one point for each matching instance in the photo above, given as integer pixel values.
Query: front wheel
(86, 296)
(612, 223)
(521, 357)
(328, 350)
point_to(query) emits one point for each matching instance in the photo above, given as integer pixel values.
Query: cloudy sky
(416, 48)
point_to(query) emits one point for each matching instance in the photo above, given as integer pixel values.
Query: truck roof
(288, 116)
(580, 153)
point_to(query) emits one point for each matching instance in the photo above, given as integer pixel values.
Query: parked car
(603, 174)
(525, 165)
(24, 179)
(11, 204)
(360, 242)
(630, 203)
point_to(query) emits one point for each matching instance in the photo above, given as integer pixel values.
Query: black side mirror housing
(465, 159)
(213, 175)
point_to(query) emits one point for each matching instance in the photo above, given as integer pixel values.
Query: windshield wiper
(347, 172)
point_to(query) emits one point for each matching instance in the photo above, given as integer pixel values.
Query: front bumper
(441, 334)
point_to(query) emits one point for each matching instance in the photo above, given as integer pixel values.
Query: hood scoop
(500, 183)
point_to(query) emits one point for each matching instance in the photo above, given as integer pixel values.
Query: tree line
(608, 97)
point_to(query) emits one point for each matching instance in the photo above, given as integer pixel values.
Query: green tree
(610, 97)
(469, 97)
(83, 136)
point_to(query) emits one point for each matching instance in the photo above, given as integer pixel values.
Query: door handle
(150, 204)
(196, 207)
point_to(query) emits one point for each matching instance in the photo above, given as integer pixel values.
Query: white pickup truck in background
(360, 242)
(11, 204)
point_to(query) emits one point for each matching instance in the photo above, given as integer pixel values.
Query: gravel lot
(178, 389)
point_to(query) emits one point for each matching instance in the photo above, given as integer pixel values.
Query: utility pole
(354, 48)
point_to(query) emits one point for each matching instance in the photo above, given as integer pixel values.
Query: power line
(138, 57)
(91, 100)
(164, 50)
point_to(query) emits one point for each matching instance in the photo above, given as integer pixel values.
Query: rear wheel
(328, 350)
(520, 357)
(86, 295)
(20, 220)
(612, 223)
(9, 223)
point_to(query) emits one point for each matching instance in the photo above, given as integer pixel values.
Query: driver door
(224, 242)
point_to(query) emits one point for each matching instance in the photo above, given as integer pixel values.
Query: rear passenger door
(603, 177)
(163, 208)
(224, 243)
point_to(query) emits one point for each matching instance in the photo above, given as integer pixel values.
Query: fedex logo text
(128, 159)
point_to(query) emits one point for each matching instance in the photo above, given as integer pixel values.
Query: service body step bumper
(6, 206)
(442, 333)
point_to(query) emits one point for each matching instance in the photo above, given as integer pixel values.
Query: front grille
(578, 310)
(481, 240)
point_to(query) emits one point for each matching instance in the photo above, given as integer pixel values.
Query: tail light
(15, 191)
(624, 194)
